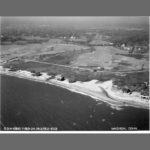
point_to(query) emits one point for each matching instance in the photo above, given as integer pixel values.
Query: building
(95, 69)
(127, 48)
(123, 46)
(140, 49)
(59, 77)
(72, 37)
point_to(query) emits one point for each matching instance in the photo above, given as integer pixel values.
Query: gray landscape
(84, 73)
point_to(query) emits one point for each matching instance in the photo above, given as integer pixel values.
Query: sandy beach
(100, 91)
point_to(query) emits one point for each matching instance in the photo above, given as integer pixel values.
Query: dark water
(31, 104)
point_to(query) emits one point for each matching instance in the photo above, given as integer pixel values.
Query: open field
(110, 58)
(53, 46)
(71, 73)
(99, 39)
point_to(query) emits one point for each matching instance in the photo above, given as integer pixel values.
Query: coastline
(100, 91)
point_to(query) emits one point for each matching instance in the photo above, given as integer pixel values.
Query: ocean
(30, 105)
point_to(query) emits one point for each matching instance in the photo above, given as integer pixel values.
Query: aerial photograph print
(74, 74)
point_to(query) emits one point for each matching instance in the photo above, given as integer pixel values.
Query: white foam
(95, 89)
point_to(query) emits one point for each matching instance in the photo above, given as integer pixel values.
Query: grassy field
(69, 73)
(63, 58)
(53, 46)
(111, 57)
(99, 39)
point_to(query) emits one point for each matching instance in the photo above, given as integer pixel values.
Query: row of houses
(136, 49)
(146, 98)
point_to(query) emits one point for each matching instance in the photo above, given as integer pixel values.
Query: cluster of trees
(130, 38)
(134, 82)
(9, 39)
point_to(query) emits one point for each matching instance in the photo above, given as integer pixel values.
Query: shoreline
(99, 91)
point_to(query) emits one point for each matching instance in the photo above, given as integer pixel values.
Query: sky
(77, 22)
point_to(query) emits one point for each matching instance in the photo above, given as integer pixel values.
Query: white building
(59, 77)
